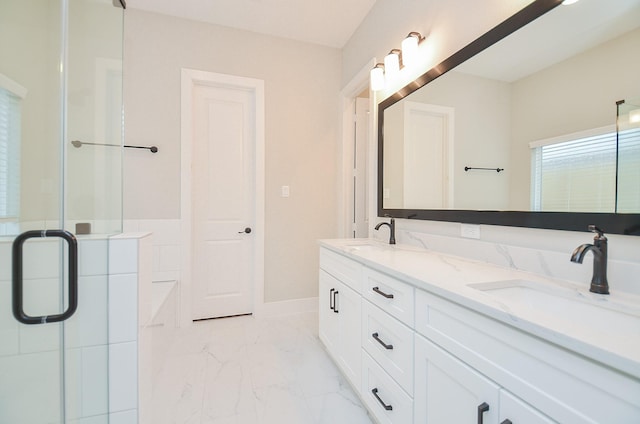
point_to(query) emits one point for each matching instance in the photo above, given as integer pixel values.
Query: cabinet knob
(482, 408)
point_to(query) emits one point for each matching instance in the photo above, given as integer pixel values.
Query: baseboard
(287, 307)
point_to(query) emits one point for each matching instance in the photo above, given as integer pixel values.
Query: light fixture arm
(417, 35)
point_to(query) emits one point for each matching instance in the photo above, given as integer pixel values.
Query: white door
(428, 154)
(223, 190)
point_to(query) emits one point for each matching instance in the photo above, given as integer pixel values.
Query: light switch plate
(471, 231)
(284, 191)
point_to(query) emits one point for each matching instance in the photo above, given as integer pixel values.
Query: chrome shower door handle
(17, 277)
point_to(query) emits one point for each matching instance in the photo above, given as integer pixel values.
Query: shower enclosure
(60, 81)
(628, 151)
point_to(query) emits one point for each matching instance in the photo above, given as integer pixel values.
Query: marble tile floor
(244, 370)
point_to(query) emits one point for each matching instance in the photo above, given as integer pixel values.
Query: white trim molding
(348, 94)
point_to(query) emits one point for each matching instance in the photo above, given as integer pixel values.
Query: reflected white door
(222, 201)
(428, 148)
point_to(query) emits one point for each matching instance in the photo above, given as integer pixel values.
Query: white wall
(301, 86)
(451, 25)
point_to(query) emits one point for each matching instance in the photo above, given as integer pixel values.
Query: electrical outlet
(471, 231)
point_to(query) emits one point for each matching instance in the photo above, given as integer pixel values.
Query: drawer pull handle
(381, 293)
(384, 405)
(386, 346)
(482, 408)
(331, 299)
(507, 421)
(335, 303)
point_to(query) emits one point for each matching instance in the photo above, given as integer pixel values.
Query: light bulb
(392, 64)
(634, 116)
(377, 77)
(410, 49)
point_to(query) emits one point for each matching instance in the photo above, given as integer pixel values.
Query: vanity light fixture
(410, 48)
(376, 77)
(634, 116)
(382, 74)
(392, 63)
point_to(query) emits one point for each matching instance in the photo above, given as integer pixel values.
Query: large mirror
(535, 124)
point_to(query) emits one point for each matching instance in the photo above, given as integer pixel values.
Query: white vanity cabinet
(417, 351)
(537, 380)
(340, 310)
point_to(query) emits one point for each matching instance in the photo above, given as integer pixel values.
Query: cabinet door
(348, 305)
(327, 317)
(516, 411)
(448, 391)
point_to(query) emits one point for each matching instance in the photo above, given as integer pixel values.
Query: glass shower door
(53, 89)
(31, 126)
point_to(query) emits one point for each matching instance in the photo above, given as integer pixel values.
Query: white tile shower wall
(29, 355)
(99, 331)
(166, 245)
(545, 252)
(130, 262)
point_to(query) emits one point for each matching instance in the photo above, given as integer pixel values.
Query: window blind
(575, 176)
(9, 154)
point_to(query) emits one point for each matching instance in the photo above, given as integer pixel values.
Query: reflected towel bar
(467, 168)
(78, 144)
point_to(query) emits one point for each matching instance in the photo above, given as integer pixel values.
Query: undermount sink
(365, 245)
(570, 310)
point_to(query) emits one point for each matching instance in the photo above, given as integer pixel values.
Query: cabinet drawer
(383, 396)
(342, 268)
(390, 343)
(392, 296)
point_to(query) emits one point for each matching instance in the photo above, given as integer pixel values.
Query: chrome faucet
(392, 229)
(599, 283)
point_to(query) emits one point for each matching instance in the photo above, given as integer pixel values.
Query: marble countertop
(458, 279)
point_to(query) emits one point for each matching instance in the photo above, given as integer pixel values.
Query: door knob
(246, 230)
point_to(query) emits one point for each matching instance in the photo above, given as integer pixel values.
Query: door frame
(348, 95)
(191, 78)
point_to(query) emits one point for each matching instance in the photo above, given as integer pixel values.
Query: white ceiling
(556, 36)
(325, 22)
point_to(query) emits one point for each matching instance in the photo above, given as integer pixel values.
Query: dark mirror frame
(613, 223)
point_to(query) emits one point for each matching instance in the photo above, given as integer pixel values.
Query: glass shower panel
(94, 125)
(93, 206)
(628, 137)
(60, 81)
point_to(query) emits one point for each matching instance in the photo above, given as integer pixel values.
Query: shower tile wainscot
(114, 303)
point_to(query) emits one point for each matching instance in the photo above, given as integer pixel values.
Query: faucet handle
(600, 233)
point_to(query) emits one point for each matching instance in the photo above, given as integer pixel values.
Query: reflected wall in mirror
(539, 104)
